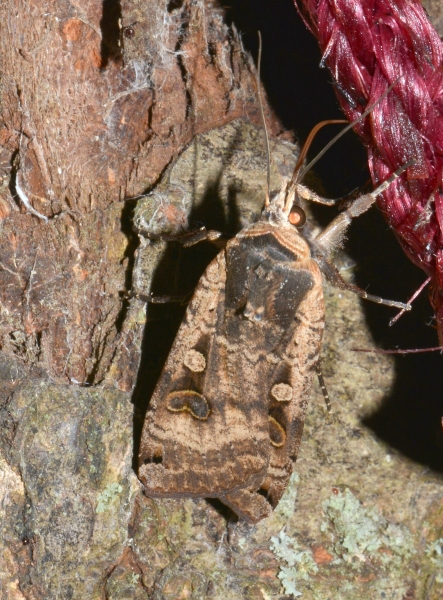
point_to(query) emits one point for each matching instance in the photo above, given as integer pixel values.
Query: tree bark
(97, 99)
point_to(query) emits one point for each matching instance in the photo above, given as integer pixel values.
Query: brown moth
(226, 417)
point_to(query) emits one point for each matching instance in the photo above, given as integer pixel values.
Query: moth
(226, 417)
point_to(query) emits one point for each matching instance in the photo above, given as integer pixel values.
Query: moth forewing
(286, 299)
(182, 454)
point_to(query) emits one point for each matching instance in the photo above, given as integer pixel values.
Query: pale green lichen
(287, 502)
(134, 578)
(434, 551)
(299, 563)
(362, 533)
(107, 497)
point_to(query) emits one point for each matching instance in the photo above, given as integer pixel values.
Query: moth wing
(201, 436)
(289, 387)
(282, 298)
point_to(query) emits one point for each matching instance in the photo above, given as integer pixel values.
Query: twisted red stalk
(368, 45)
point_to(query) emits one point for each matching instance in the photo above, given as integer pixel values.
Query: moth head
(284, 210)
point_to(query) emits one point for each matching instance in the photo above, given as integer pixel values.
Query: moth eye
(277, 434)
(195, 361)
(189, 401)
(297, 216)
(282, 392)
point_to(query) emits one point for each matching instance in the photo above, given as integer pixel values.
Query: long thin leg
(323, 386)
(411, 299)
(307, 194)
(332, 236)
(152, 299)
(336, 279)
(187, 239)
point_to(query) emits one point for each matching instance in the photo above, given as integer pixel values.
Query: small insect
(129, 32)
(226, 417)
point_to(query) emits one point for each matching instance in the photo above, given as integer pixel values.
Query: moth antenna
(300, 174)
(262, 113)
(309, 166)
(308, 143)
(302, 157)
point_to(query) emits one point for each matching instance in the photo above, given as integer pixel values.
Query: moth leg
(332, 236)
(152, 299)
(307, 194)
(411, 299)
(336, 279)
(189, 238)
(323, 386)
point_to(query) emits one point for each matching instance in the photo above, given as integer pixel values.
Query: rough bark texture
(86, 123)
(91, 113)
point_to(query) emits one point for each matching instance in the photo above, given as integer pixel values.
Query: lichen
(299, 563)
(134, 578)
(107, 497)
(286, 504)
(434, 551)
(360, 534)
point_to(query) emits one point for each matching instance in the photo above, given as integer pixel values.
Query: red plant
(369, 45)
